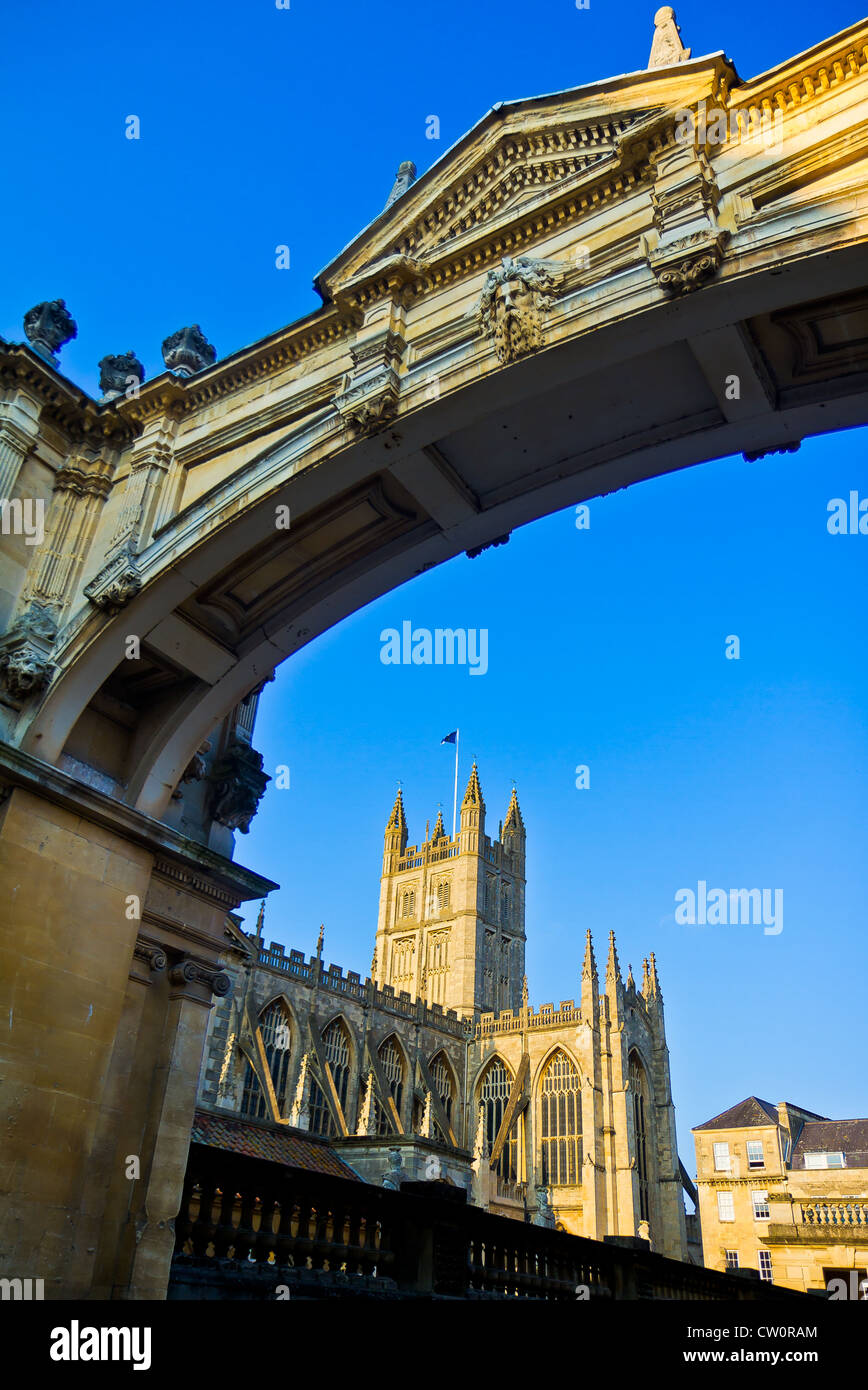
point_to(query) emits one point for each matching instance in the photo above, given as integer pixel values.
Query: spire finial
(667, 46)
(260, 919)
(653, 981)
(473, 795)
(320, 939)
(524, 992)
(589, 968)
(646, 978)
(631, 983)
(405, 177)
(613, 969)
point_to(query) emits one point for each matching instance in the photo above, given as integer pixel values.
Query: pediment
(519, 156)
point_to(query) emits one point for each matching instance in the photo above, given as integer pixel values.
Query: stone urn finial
(188, 351)
(48, 326)
(117, 374)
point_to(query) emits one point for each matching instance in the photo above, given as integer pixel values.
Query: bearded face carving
(513, 303)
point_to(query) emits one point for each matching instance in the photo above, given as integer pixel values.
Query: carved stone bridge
(589, 289)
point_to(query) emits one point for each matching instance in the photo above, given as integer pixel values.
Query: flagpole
(455, 793)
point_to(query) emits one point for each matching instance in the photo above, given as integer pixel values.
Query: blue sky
(262, 127)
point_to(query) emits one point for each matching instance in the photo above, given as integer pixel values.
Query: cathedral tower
(451, 920)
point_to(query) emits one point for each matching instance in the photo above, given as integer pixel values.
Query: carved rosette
(25, 653)
(239, 785)
(117, 582)
(688, 263)
(513, 303)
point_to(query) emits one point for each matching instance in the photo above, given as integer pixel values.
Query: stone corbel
(366, 405)
(116, 583)
(25, 653)
(689, 246)
(688, 262)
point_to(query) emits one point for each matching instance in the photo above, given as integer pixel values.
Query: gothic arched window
(443, 895)
(393, 1069)
(494, 1095)
(639, 1091)
(274, 1025)
(336, 1045)
(560, 1122)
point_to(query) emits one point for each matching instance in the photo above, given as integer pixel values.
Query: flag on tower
(450, 738)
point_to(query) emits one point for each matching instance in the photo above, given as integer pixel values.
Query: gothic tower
(451, 920)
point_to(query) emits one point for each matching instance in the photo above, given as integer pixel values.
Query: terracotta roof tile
(291, 1147)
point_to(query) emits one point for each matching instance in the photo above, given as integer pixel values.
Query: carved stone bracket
(513, 303)
(688, 262)
(25, 652)
(117, 582)
(239, 784)
(370, 403)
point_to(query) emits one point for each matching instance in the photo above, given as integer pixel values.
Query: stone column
(65, 950)
(19, 429)
(80, 489)
(174, 1101)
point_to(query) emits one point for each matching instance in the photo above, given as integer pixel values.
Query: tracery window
(393, 1068)
(402, 963)
(639, 1090)
(494, 1096)
(560, 1111)
(443, 895)
(274, 1025)
(336, 1045)
(408, 903)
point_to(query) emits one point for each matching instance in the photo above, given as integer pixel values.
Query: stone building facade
(436, 1066)
(785, 1192)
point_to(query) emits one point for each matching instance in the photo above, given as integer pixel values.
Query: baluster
(202, 1229)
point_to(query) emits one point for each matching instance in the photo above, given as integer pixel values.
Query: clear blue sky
(261, 127)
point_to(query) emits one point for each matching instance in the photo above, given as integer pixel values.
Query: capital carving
(188, 351)
(513, 303)
(195, 972)
(150, 954)
(239, 784)
(48, 326)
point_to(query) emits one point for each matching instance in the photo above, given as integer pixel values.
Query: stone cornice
(189, 860)
(64, 404)
(805, 72)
